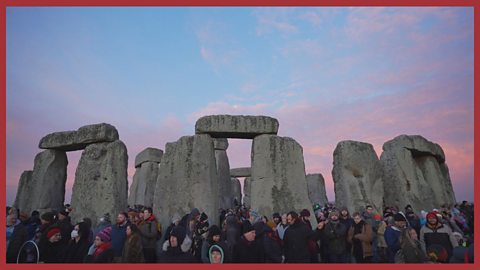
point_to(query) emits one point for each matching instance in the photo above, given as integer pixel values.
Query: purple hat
(104, 234)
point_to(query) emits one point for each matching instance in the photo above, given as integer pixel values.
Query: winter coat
(51, 252)
(133, 250)
(414, 253)
(105, 257)
(296, 242)
(441, 235)
(335, 234)
(273, 247)
(232, 235)
(206, 247)
(381, 235)
(248, 252)
(392, 238)
(18, 238)
(365, 237)
(76, 251)
(176, 254)
(148, 232)
(281, 228)
(66, 228)
(118, 236)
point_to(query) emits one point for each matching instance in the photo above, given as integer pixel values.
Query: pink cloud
(272, 20)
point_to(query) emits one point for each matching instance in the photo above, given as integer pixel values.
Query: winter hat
(180, 233)
(216, 248)
(305, 213)
(271, 224)
(377, 217)
(194, 213)
(49, 216)
(276, 215)
(104, 234)
(334, 213)
(432, 215)
(52, 232)
(247, 227)
(254, 214)
(399, 217)
(176, 217)
(203, 217)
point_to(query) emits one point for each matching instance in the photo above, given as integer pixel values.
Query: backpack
(399, 257)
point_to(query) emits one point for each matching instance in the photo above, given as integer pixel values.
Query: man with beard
(434, 233)
(335, 233)
(119, 235)
(360, 235)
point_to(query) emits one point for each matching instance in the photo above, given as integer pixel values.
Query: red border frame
(12, 3)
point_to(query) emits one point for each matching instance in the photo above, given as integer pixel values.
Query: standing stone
(236, 191)
(241, 172)
(145, 177)
(101, 183)
(416, 173)
(278, 176)
(223, 172)
(357, 176)
(187, 179)
(79, 139)
(24, 192)
(236, 126)
(316, 189)
(247, 188)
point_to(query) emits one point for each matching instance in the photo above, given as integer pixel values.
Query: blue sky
(327, 74)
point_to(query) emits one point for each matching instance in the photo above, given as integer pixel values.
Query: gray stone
(148, 154)
(224, 182)
(78, 140)
(220, 144)
(187, 179)
(47, 185)
(241, 172)
(24, 192)
(236, 126)
(415, 173)
(357, 176)
(278, 176)
(236, 191)
(247, 189)
(101, 184)
(316, 189)
(143, 185)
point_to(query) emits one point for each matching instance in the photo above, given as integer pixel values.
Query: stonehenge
(194, 171)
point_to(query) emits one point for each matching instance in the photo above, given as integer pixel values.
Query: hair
(356, 214)
(83, 230)
(133, 227)
(149, 209)
(293, 214)
(124, 214)
(405, 238)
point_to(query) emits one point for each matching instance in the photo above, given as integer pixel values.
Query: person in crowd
(88, 221)
(347, 221)
(47, 220)
(335, 234)
(381, 243)
(282, 227)
(213, 238)
(148, 232)
(215, 254)
(360, 235)
(296, 240)
(32, 224)
(17, 234)
(105, 222)
(272, 244)
(413, 250)
(247, 249)
(101, 251)
(412, 218)
(78, 246)
(276, 218)
(132, 249)
(174, 250)
(51, 247)
(232, 234)
(119, 236)
(312, 243)
(435, 233)
(201, 229)
(65, 225)
(392, 235)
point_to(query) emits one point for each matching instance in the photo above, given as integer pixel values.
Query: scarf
(100, 249)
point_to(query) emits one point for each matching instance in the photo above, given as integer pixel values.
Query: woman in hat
(132, 249)
(215, 254)
(101, 251)
(51, 246)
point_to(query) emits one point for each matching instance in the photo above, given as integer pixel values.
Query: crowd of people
(443, 235)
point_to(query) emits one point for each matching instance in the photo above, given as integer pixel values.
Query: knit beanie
(247, 227)
(105, 234)
(399, 217)
(52, 232)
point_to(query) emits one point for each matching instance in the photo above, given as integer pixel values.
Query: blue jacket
(392, 238)
(118, 236)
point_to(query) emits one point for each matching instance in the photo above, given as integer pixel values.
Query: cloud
(273, 20)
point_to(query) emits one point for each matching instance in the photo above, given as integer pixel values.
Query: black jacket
(76, 252)
(248, 252)
(176, 255)
(19, 236)
(296, 242)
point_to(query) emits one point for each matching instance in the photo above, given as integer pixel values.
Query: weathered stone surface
(316, 189)
(24, 192)
(415, 173)
(78, 140)
(47, 185)
(224, 182)
(236, 191)
(148, 154)
(357, 176)
(101, 184)
(278, 176)
(236, 126)
(241, 172)
(143, 185)
(220, 144)
(187, 179)
(247, 188)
